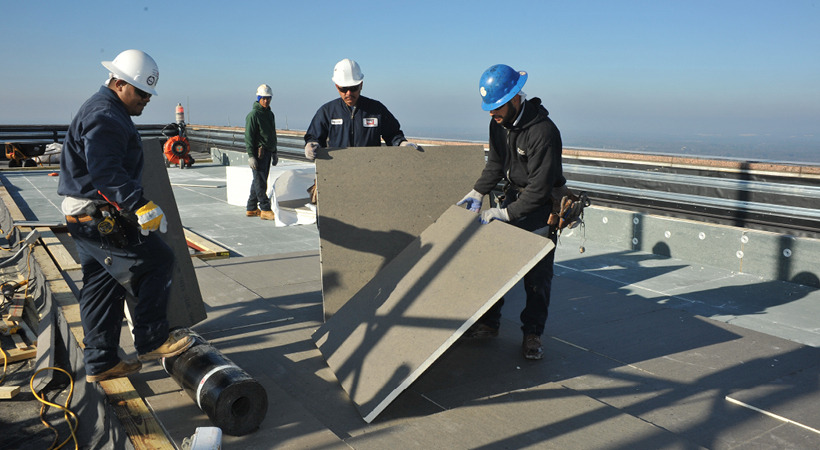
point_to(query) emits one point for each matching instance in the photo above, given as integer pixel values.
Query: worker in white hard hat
(260, 143)
(113, 225)
(352, 120)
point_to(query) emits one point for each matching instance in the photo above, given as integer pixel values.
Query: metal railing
(771, 196)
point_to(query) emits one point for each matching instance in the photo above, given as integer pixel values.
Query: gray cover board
(399, 323)
(373, 201)
(185, 306)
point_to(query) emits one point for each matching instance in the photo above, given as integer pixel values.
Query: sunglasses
(344, 90)
(141, 93)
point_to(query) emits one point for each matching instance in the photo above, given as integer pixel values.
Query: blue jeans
(259, 186)
(143, 269)
(537, 282)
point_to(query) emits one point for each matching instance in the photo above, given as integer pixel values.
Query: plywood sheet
(415, 308)
(373, 201)
(185, 306)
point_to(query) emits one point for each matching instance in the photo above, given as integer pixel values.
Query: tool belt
(108, 222)
(85, 217)
(567, 208)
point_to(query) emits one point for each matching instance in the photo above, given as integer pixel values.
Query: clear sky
(608, 71)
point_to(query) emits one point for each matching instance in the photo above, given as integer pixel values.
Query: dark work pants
(142, 269)
(259, 186)
(537, 282)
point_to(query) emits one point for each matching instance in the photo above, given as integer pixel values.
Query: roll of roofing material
(233, 400)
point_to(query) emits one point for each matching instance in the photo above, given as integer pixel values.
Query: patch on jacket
(336, 121)
(521, 152)
(371, 121)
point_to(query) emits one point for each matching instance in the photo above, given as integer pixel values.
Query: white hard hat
(137, 68)
(264, 91)
(347, 73)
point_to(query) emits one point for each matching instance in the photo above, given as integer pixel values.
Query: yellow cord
(67, 412)
(5, 364)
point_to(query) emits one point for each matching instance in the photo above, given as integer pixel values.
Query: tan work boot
(267, 215)
(178, 341)
(253, 213)
(122, 369)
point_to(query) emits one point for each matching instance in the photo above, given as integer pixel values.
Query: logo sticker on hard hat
(483, 91)
(150, 80)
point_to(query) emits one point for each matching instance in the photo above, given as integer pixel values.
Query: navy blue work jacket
(103, 151)
(365, 125)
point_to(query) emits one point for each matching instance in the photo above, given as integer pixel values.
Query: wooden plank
(19, 342)
(58, 252)
(139, 422)
(207, 249)
(16, 354)
(7, 392)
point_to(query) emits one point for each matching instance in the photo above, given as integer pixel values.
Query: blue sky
(605, 69)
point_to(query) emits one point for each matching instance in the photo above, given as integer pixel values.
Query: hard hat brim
(121, 76)
(503, 100)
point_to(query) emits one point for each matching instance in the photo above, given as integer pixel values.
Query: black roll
(233, 400)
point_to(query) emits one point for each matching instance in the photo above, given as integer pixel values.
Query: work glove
(150, 218)
(495, 214)
(310, 150)
(274, 159)
(473, 201)
(253, 162)
(409, 144)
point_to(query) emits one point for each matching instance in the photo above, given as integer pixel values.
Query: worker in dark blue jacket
(111, 223)
(352, 120)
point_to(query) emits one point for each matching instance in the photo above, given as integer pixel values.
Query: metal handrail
(763, 195)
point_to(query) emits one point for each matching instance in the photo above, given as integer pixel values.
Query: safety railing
(766, 195)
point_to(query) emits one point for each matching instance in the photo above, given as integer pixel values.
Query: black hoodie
(528, 155)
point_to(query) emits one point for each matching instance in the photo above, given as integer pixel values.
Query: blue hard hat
(498, 85)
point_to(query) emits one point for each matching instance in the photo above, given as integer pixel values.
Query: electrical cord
(67, 413)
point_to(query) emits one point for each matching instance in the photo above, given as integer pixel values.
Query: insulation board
(415, 308)
(373, 201)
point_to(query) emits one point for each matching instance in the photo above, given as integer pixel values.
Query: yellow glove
(150, 218)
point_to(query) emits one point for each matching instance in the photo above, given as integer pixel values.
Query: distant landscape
(803, 149)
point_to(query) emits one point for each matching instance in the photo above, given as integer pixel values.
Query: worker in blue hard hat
(525, 152)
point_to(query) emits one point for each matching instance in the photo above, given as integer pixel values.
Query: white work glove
(253, 163)
(310, 150)
(473, 201)
(495, 214)
(150, 218)
(409, 144)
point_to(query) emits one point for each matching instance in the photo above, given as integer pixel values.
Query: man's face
(134, 99)
(265, 102)
(350, 95)
(505, 114)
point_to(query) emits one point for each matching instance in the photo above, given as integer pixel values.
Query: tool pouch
(110, 224)
(567, 208)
